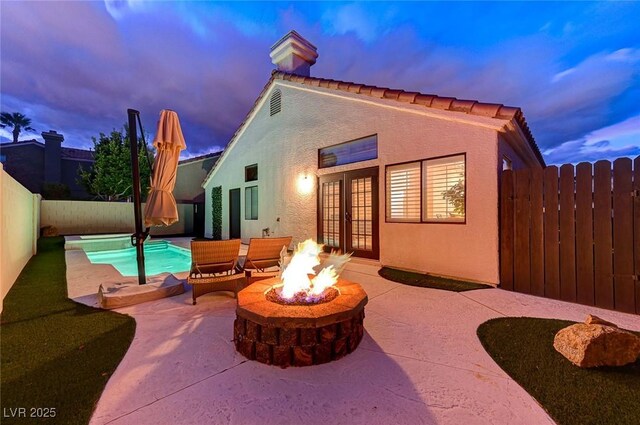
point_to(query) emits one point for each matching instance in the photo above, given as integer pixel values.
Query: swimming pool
(159, 257)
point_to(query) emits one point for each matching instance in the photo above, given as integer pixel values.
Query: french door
(348, 212)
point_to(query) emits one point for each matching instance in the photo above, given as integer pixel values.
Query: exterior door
(348, 212)
(198, 219)
(234, 214)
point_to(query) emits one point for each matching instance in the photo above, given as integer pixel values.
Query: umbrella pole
(138, 237)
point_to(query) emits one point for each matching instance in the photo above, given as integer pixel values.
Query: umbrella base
(116, 295)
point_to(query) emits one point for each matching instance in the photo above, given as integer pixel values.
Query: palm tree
(16, 120)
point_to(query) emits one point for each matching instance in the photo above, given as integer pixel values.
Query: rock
(593, 344)
(595, 320)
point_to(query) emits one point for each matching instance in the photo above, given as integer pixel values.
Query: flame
(305, 262)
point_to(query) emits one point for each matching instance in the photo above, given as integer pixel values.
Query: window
(251, 173)
(346, 153)
(444, 189)
(251, 203)
(275, 103)
(427, 191)
(506, 163)
(403, 192)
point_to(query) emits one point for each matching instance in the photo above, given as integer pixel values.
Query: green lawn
(428, 281)
(56, 353)
(523, 347)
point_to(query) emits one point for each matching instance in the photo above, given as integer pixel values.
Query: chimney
(293, 54)
(52, 156)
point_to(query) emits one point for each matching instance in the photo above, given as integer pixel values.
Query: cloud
(82, 84)
(210, 61)
(120, 8)
(610, 142)
(560, 75)
(353, 18)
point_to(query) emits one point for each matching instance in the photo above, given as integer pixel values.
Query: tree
(110, 177)
(16, 120)
(455, 196)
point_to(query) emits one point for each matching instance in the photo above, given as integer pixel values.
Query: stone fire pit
(298, 335)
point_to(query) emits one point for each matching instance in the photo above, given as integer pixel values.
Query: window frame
(246, 168)
(421, 162)
(249, 188)
(322, 167)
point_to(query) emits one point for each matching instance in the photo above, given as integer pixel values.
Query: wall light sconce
(305, 184)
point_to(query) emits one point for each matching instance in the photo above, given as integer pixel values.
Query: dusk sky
(76, 66)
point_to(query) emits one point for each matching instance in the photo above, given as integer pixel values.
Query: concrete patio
(420, 362)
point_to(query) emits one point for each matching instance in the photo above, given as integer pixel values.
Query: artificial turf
(523, 347)
(428, 281)
(55, 352)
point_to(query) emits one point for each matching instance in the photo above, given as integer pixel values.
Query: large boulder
(597, 343)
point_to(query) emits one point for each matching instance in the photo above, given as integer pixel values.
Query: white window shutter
(444, 189)
(403, 192)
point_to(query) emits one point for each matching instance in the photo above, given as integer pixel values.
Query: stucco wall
(190, 176)
(19, 209)
(285, 147)
(90, 217)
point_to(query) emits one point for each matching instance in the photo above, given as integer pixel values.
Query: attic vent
(276, 102)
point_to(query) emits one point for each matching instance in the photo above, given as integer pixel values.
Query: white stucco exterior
(285, 147)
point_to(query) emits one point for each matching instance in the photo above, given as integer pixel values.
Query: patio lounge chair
(213, 267)
(263, 254)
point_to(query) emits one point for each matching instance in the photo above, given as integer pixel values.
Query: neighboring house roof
(20, 143)
(200, 158)
(79, 154)
(65, 153)
(199, 199)
(471, 107)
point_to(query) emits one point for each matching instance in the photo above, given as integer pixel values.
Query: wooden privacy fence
(573, 235)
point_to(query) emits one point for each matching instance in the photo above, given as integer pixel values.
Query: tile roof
(472, 107)
(74, 153)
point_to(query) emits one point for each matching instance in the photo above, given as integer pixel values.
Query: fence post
(537, 233)
(567, 234)
(602, 236)
(551, 239)
(522, 257)
(506, 230)
(584, 234)
(623, 280)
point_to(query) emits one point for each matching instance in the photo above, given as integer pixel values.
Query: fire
(305, 262)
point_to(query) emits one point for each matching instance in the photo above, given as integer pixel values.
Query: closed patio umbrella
(161, 209)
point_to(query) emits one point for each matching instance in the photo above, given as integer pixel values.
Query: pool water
(159, 257)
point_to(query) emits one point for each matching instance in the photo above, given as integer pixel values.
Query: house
(36, 164)
(407, 179)
(188, 189)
